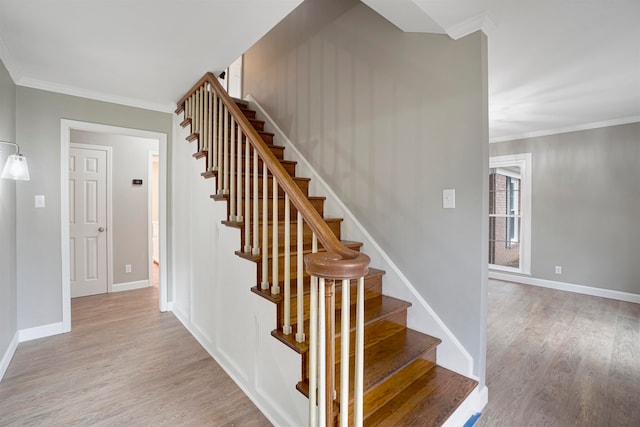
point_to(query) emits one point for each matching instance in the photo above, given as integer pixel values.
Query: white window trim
(523, 161)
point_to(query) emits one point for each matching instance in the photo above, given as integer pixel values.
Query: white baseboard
(472, 405)
(40, 331)
(129, 286)
(8, 355)
(569, 287)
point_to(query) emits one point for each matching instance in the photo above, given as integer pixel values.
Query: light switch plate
(449, 198)
(39, 201)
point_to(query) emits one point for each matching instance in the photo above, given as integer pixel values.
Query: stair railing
(239, 158)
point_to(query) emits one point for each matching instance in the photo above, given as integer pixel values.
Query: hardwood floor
(124, 363)
(561, 359)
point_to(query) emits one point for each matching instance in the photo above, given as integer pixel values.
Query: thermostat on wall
(136, 182)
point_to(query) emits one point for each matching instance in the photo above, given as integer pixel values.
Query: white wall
(8, 288)
(130, 202)
(213, 298)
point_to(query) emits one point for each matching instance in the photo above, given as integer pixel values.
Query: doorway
(67, 126)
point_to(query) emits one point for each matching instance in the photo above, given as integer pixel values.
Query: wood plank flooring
(124, 363)
(561, 359)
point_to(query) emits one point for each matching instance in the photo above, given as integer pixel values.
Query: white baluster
(204, 138)
(247, 199)
(187, 108)
(275, 288)
(256, 212)
(210, 132)
(220, 143)
(265, 225)
(313, 352)
(287, 265)
(358, 383)
(213, 158)
(232, 170)
(197, 115)
(225, 160)
(239, 177)
(300, 279)
(344, 355)
(322, 356)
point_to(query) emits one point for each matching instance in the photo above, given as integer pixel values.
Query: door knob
(101, 229)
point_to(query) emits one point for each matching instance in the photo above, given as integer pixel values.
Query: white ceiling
(554, 65)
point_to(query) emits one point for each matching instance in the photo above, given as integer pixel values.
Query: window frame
(523, 161)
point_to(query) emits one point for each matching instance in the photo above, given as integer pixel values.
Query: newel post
(329, 267)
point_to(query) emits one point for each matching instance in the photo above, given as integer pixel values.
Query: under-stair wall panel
(229, 321)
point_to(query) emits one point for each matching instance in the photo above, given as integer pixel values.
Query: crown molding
(94, 95)
(481, 22)
(567, 129)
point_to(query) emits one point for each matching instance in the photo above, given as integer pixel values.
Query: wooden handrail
(339, 262)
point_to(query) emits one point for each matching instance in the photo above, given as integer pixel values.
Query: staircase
(401, 383)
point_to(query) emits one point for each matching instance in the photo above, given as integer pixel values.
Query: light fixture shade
(16, 168)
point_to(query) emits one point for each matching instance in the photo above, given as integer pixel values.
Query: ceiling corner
(481, 22)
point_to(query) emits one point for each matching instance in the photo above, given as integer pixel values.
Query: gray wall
(390, 119)
(585, 206)
(129, 203)
(8, 316)
(38, 115)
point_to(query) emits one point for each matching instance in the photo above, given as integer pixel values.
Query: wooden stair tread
(428, 400)
(375, 309)
(393, 354)
(388, 357)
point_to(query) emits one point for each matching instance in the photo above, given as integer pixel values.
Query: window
(510, 213)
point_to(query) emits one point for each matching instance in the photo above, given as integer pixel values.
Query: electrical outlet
(127, 268)
(558, 269)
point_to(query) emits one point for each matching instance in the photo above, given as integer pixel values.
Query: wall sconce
(16, 166)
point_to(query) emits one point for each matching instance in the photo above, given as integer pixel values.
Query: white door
(88, 220)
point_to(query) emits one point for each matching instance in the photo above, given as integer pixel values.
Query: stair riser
(307, 234)
(249, 114)
(303, 185)
(290, 167)
(318, 204)
(376, 331)
(257, 124)
(372, 289)
(384, 392)
(293, 268)
(277, 150)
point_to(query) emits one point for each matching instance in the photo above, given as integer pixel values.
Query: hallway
(123, 363)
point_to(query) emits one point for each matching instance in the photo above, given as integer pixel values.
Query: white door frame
(65, 141)
(109, 221)
(150, 179)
